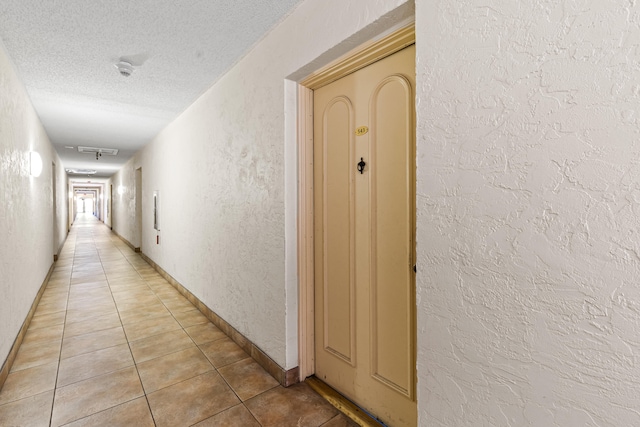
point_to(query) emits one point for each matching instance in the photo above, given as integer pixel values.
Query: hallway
(113, 343)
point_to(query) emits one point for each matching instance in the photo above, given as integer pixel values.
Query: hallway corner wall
(528, 213)
(220, 172)
(26, 205)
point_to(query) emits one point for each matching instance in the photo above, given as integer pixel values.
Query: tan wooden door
(365, 237)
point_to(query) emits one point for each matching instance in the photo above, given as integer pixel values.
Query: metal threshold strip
(342, 404)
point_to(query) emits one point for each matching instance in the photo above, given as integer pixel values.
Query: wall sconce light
(120, 190)
(35, 164)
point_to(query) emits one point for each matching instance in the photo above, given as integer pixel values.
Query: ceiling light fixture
(81, 171)
(98, 151)
(125, 68)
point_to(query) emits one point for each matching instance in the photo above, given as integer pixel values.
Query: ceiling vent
(81, 171)
(102, 151)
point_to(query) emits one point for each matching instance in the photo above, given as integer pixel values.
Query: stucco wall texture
(26, 205)
(527, 201)
(220, 171)
(528, 226)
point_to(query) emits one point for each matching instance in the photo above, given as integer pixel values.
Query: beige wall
(27, 238)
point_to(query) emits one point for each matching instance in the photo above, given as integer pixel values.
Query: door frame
(375, 50)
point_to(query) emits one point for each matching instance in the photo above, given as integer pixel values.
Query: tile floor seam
(135, 363)
(252, 414)
(93, 351)
(55, 387)
(162, 355)
(178, 382)
(144, 391)
(146, 336)
(99, 412)
(234, 392)
(125, 332)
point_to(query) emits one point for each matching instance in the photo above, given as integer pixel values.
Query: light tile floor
(113, 344)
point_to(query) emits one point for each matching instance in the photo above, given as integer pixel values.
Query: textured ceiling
(65, 51)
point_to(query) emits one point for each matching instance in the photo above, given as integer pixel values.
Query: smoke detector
(125, 68)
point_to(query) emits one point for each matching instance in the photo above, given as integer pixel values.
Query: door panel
(392, 233)
(339, 235)
(365, 237)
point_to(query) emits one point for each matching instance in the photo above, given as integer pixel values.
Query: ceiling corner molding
(363, 56)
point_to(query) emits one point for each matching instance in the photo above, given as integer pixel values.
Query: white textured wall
(528, 212)
(527, 202)
(26, 209)
(220, 170)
